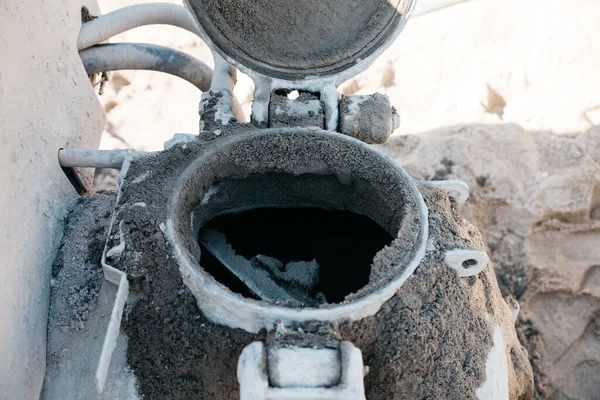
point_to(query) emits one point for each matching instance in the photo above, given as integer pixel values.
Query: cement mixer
(284, 257)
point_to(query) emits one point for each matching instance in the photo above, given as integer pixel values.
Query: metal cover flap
(297, 39)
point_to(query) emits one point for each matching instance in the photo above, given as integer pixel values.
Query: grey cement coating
(313, 334)
(369, 118)
(431, 321)
(76, 274)
(288, 168)
(304, 111)
(430, 339)
(299, 39)
(80, 307)
(265, 276)
(303, 273)
(215, 110)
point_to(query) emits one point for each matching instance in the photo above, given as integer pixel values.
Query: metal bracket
(119, 278)
(467, 262)
(256, 383)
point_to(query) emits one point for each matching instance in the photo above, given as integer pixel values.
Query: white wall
(46, 102)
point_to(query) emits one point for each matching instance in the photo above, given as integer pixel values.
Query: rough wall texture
(46, 102)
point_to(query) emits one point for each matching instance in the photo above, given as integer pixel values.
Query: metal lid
(299, 39)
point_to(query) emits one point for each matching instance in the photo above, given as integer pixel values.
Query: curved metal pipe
(124, 19)
(118, 56)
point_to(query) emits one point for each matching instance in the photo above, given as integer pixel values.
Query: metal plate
(293, 40)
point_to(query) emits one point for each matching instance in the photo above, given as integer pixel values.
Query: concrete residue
(266, 277)
(304, 274)
(305, 110)
(436, 320)
(370, 118)
(215, 110)
(287, 168)
(80, 307)
(170, 340)
(316, 335)
(180, 138)
(297, 36)
(77, 275)
(118, 249)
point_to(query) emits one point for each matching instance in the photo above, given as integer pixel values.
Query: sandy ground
(503, 94)
(535, 197)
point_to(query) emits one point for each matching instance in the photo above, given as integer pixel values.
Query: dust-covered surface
(305, 110)
(176, 352)
(534, 197)
(429, 341)
(367, 118)
(508, 169)
(76, 274)
(430, 75)
(80, 307)
(307, 168)
(315, 335)
(301, 35)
